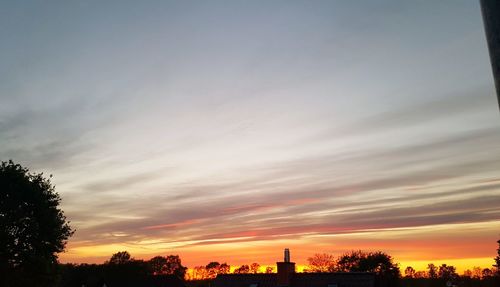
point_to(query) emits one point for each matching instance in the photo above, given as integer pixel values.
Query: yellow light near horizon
(461, 264)
(414, 247)
(262, 268)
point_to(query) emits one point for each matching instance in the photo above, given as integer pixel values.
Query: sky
(230, 130)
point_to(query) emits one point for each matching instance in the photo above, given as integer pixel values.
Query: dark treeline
(446, 275)
(378, 262)
(459, 281)
(123, 270)
(448, 272)
(389, 274)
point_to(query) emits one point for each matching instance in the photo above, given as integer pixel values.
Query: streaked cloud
(238, 128)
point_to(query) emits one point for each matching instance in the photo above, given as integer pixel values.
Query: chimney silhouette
(287, 255)
(285, 270)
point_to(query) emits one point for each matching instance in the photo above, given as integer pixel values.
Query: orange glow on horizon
(235, 259)
(461, 245)
(461, 264)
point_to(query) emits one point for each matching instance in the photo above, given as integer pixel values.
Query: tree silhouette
(497, 260)
(32, 227)
(199, 273)
(174, 266)
(467, 273)
(376, 262)
(409, 272)
(350, 262)
(120, 257)
(321, 263)
(380, 263)
(476, 272)
(212, 269)
(254, 268)
(432, 270)
(243, 269)
(447, 272)
(269, 270)
(486, 273)
(158, 265)
(224, 268)
(420, 274)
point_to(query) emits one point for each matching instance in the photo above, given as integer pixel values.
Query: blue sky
(188, 126)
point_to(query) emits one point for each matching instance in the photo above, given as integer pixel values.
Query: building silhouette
(287, 277)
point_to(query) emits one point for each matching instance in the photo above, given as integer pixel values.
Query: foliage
(174, 266)
(432, 270)
(447, 272)
(321, 263)
(121, 257)
(486, 273)
(33, 229)
(123, 269)
(476, 272)
(212, 269)
(243, 269)
(468, 273)
(254, 268)
(199, 273)
(269, 270)
(420, 274)
(409, 272)
(224, 268)
(350, 262)
(170, 265)
(132, 273)
(378, 262)
(497, 260)
(157, 265)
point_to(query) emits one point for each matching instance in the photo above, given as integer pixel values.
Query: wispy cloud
(179, 127)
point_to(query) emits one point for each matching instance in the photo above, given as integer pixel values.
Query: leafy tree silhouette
(467, 273)
(170, 265)
(447, 272)
(380, 263)
(224, 268)
(157, 265)
(174, 266)
(497, 260)
(243, 269)
(269, 270)
(254, 268)
(33, 229)
(121, 257)
(476, 272)
(486, 272)
(409, 272)
(321, 263)
(350, 262)
(420, 274)
(212, 269)
(199, 273)
(432, 270)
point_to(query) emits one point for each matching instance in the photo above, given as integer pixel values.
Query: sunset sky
(229, 130)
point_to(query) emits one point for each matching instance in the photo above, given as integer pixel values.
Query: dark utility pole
(491, 19)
